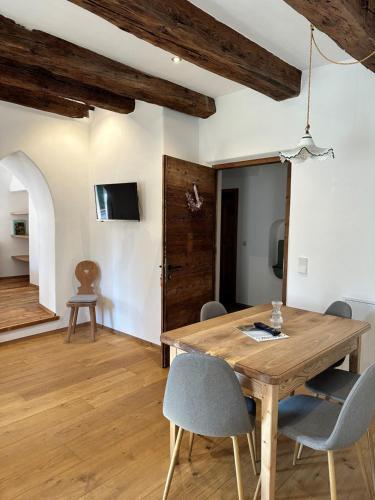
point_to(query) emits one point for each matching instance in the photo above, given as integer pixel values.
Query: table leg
(355, 358)
(269, 441)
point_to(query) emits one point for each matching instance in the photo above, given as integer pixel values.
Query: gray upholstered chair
(341, 310)
(203, 396)
(215, 309)
(327, 426)
(212, 309)
(316, 385)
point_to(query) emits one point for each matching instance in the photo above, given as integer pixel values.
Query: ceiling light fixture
(176, 59)
(306, 148)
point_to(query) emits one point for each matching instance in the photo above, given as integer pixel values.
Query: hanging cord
(343, 63)
(309, 85)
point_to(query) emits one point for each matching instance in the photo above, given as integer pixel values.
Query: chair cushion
(308, 420)
(84, 298)
(336, 384)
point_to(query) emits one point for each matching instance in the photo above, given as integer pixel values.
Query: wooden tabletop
(312, 336)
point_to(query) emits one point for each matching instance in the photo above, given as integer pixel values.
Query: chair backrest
(340, 309)
(356, 413)
(212, 310)
(204, 396)
(87, 273)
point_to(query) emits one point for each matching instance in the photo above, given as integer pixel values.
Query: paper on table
(260, 335)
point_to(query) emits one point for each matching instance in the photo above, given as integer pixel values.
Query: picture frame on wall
(20, 227)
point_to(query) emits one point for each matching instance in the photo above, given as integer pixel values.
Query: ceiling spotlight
(176, 59)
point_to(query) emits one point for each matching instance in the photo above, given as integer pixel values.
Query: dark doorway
(228, 247)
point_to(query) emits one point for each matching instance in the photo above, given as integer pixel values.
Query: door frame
(270, 160)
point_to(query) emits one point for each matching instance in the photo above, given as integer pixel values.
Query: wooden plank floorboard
(84, 421)
(19, 304)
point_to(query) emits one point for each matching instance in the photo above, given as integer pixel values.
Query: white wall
(180, 135)
(261, 202)
(11, 201)
(333, 202)
(128, 148)
(60, 148)
(34, 244)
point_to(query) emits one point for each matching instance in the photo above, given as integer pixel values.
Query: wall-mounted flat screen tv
(117, 201)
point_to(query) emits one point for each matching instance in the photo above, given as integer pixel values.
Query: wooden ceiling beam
(183, 29)
(44, 102)
(350, 23)
(39, 49)
(39, 80)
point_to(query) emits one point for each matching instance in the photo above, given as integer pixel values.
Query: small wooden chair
(86, 273)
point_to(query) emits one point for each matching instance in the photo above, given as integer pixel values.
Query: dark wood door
(228, 246)
(188, 277)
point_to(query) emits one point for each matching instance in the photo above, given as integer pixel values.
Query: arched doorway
(28, 173)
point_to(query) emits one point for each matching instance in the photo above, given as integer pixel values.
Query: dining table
(272, 370)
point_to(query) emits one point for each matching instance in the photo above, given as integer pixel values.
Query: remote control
(268, 329)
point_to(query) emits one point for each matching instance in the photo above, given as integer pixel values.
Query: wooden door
(228, 246)
(188, 277)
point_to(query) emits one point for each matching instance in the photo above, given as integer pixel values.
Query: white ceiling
(271, 23)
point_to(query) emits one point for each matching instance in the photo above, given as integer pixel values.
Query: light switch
(303, 265)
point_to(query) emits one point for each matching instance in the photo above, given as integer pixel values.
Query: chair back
(357, 412)
(340, 309)
(203, 396)
(212, 310)
(87, 273)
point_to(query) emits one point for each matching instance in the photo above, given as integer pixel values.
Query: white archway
(27, 172)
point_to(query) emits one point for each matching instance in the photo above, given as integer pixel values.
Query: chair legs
(295, 454)
(257, 489)
(237, 462)
(332, 475)
(191, 441)
(93, 322)
(70, 327)
(372, 458)
(173, 463)
(252, 452)
(363, 469)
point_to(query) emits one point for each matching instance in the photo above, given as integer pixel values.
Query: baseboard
(17, 276)
(83, 325)
(137, 339)
(46, 308)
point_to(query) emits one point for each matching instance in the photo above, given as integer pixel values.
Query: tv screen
(117, 201)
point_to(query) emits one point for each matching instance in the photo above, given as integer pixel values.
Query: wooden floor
(19, 304)
(84, 420)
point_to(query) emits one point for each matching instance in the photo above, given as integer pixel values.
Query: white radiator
(364, 310)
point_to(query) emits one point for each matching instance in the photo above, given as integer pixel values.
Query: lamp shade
(306, 150)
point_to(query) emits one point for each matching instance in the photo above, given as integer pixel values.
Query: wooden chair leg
(254, 443)
(257, 490)
(93, 322)
(295, 454)
(363, 469)
(372, 458)
(300, 452)
(173, 463)
(237, 463)
(252, 453)
(75, 317)
(332, 475)
(191, 441)
(70, 325)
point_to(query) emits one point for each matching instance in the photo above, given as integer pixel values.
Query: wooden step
(21, 258)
